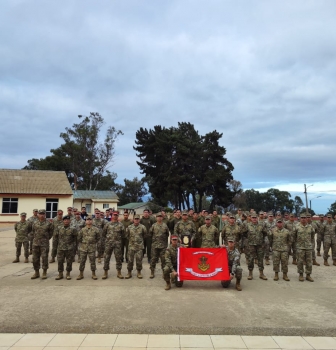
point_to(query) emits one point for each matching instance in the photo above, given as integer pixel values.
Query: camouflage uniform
(197, 242)
(234, 265)
(78, 225)
(231, 232)
(64, 239)
(280, 240)
(88, 238)
(314, 226)
(185, 228)
(290, 226)
(319, 225)
(215, 220)
(159, 234)
(113, 233)
(147, 222)
(172, 223)
(31, 220)
(170, 262)
(124, 241)
(22, 230)
(269, 226)
(99, 224)
(209, 236)
(256, 234)
(56, 223)
(135, 236)
(41, 233)
(329, 240)
(303, 235)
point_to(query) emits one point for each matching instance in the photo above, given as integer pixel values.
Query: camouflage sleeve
(235, 263)
(312, 233)
(50, 230)
(294, 235)
(176, 229)
(15, 227)
(150, 231)
(216, 237)
(98, 234)
(198, 234)
(243, 229)
(193, 230)
(55, 239)
(80, 236)
(104, 232)
(270, 238)
(127, 233)
(168, 260)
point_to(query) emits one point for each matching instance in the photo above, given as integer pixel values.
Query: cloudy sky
(261, 72)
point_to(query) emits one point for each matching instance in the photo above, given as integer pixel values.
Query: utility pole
(305, 192)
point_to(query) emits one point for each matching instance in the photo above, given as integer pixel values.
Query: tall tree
(332, 209)
(83, 157)
(132, 191)
(298, 205)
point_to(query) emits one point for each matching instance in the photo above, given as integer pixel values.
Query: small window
(106, 206)
(51, 207)
(10, 205)
(88, 208)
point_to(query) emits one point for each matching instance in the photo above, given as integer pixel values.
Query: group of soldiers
(100, 235)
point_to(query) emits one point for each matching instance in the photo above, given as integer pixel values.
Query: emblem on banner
(203, 266)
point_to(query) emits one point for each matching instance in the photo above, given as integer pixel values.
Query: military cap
(253, 215)
(208, 217)
(35, 210)
(321, 215)
(136, 216)
(23, 214)
(244, 215)
(42, 211)
(228, 213)
(270, 213)
(158, 214)
(308, 215)
(261, 212)
(115, 213)
(303, 215)
(279, 220)
(185, 212)
(329, 216)
(66, 217)
(232, 216)
(291, 215)
(89, 217)
(174, 236)
(278, 213)
(230, 240)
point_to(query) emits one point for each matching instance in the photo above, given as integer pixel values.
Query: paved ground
(144, 341)
(143, 306)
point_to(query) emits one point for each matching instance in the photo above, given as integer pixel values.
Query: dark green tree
(298, 205)
(332, 209)
(132, 191)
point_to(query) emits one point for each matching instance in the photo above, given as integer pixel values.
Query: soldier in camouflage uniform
(113, 232)
(174, 219)
(290, 225)
(302, 235)
(41, 233)
(99, 222)
(197, 242)
(57, 222)
(65, 238)
(231, 231)
(78, 223)
(135, 234)
(315, 227)
(124, 243)
(256, 234)
(280, 240)
(208, 234)
(147, 221)
(159, 233)
(319, 225)
(269, 223)
(31, 220)
(171, 262)
(215, 220)
(22, 229)
(88, 238)
(329, 240)
(234, 265)
(185, 230)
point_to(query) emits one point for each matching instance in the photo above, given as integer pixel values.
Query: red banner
(203, 264)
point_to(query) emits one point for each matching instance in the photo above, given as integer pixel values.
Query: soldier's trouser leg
(166, 273)
(313, 251)
(131, 255)
(44, 255)
(26, 249)
(246, 249)
(162, 257)
(107, 256)
(305, 257)
(318, 242)
(69, 255)
(53, 250)
(284, 261)
(118, 256)
(276, 260)
(267, 249)
(18, 246)
(60, 260)
(124, 248)
(155, 255)
(326, 247)
(36, 257)
(138, 259)
(92, 257)
(149, 247)
(260, 257)
(239, 272)
(83, 257)
(31, 245)
(333, 248)
(251, 253)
